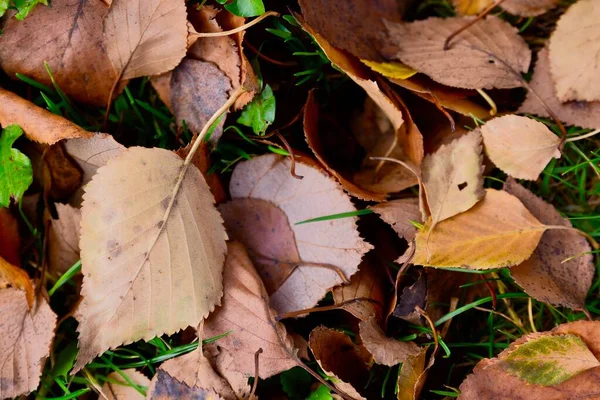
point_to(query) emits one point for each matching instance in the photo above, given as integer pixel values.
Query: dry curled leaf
(453, 177)
(39, 125)
(520, 146)
(497, 232)
(576, 37)
(385, 350)
(245, 311)
(325, 248)
(63, 239)
(151, 242)
(71, 44)
(118, 388)
(27, 334)
(546, 276)
(165, 387)
(580, 113)
(488, 55)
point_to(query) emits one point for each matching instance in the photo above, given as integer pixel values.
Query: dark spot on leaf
(463, 185)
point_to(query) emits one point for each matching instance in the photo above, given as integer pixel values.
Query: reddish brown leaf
(10, 245)
(385, 350)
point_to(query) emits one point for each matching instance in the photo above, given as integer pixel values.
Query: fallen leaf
(490, 54)
(259, 114)
(546, 276)
(246, 8)
(118, 388)
(453, 177)
(393, 69)
(13, 276)
(576, 37)
(322, 252)
(38, 124)
(410, 376)
(492, 379)
(471, 7)
(165, 387)
(10, 245)
(385, 350)
(245, 311)
(63, 239)
(71, 45)
(341, 359)
(27, 334)
(202, 161)
(580, 113)
(524, 8)
(61, 174)
(411, 299)
(16, 173)
(398, 214)
(519, 146)
(198, 89)
(144, 39)
(497, 232)
(140, 215)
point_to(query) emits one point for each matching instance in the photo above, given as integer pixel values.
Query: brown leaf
(27, 334)
(202, 161)
(246, 313)
(151, 241)
(399, 213)
(354, 27)
(145, 38)
(71, 44)
(13, 276)
(411, 376)
(519, 146)
(10, 245)
(412, 296)
(340, 358)
(579, 113)
(576, 37)
(497, 232)
(324, 252)
(385, 350)
(198, 89)
(545, 276)
(491, 380)
(453, 177)
(61, 174)
(63, 239)
(524, 8)
(39, 125)
(490, 54)
(117, 388)
(165, 387)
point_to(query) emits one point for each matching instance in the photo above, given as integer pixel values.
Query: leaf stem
(236, 30)
(587, 135)
(471, 23)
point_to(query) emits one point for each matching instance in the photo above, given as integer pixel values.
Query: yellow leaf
(13, 276)
(391, 69)
(471, 7)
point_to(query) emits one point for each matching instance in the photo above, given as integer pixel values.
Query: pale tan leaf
(118, 388)
(385, 350)
(497, 232)
(151, 242)
(27, 335)
(63, 239)
(399, 213)
(15, 277)
(145, 37)
(246, 313)
(584, 114)
(576, 37)
(520, 146)
(546, 276)
(453, 177)
(324, 252)
(490, 54)
(165, 387)
(201, 160)
(39, 125)
(71, 45)
(410, 381)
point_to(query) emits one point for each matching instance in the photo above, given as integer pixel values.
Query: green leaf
(322, 393)
(296, 383)
(16, 173)
(246, 8)
(550, 360)
(4, 6)
(65, 360)
(260, 112)
(24, 7)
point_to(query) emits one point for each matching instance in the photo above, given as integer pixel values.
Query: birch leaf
(151, 242)
(497, 232)
(15, 277)
(520, 146)
(63, 239)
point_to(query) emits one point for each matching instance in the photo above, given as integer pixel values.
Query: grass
(571, 184)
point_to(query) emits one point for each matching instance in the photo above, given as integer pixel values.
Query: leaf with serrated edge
(385, 350)
(152, 251)
(63, 239)
(497, 232)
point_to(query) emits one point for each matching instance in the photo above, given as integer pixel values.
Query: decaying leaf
(245, 311)
(385, 350)
(497, 232)
(63, 238)
(519, 146)
(118, 388)
(27, 334)
(524, 8)
(545, 275)
(488, 55)
(165, 387)
(71, 44)
(576, 37)
(565, 357)
(13, 276)
(453, 177)
(325, 248)
(584, 114)
(61, 175)
(410, 299)
(38, 124)
(151, 242)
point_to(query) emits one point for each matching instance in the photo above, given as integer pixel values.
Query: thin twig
(236, 30)
(490, 101)
(471, 23)
(268, 59)
(587, 135)
(292, 156)
(293, 314)
(256, 377)
(530, 313)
